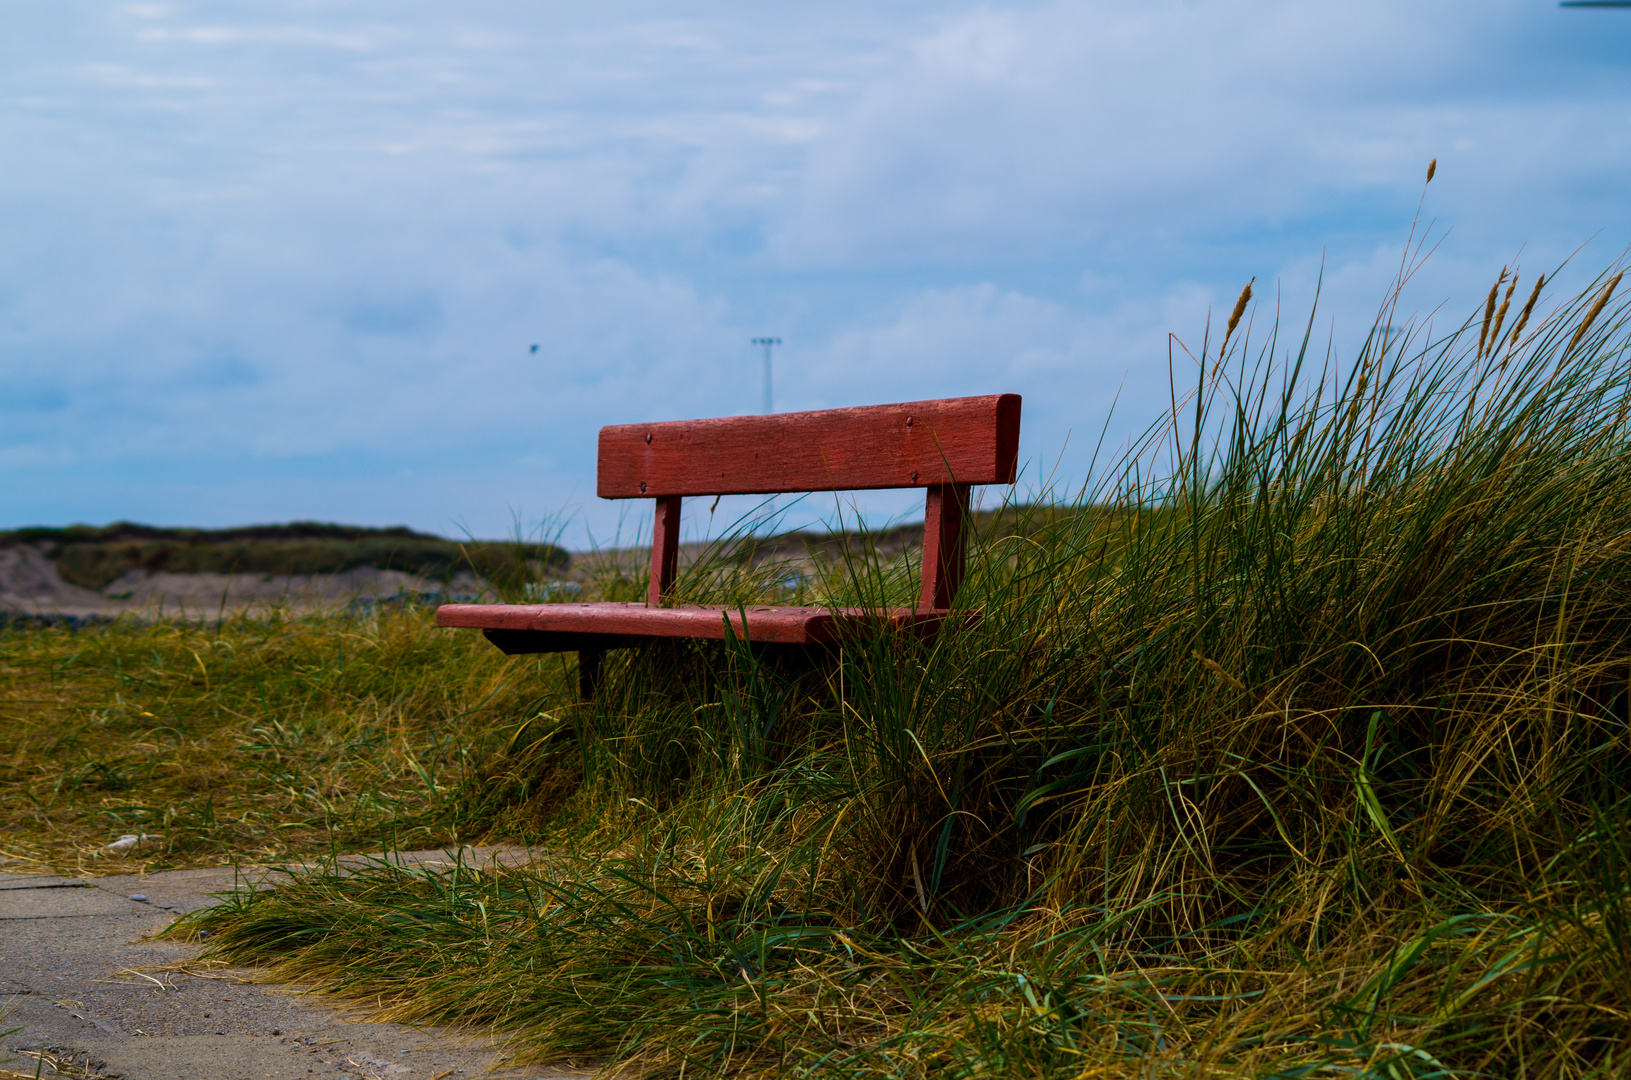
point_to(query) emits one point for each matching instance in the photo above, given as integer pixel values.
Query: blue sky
(281, 260)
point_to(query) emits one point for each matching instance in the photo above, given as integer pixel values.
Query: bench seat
(568, 627)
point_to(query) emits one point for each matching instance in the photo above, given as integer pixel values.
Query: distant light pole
(768, 343)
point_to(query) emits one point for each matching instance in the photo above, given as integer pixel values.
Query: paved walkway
(86, 989)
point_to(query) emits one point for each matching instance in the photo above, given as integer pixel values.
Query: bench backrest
(944, 446)
(971, 440)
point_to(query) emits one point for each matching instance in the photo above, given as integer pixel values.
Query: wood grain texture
(665, 550)
(971, 440)
(575, 627)
(945, 511)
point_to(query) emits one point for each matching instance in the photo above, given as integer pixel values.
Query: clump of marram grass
(1294, 747)
(1304, 758)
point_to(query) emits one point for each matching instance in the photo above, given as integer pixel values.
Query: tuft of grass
(1291, 745)
(250, 738)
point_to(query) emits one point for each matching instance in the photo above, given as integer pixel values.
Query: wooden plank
(945, 511)
(914, 444)
(665, 550)
(577, 626)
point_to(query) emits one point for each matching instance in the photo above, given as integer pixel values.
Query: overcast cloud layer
(287, 259)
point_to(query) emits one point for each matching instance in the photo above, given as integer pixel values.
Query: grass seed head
(1489, 310)
(1234, 316)
(1596, 309)
(1529, 306)
(1500, 316)
(1432, 167)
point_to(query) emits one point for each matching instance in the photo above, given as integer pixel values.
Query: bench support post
(589, 673)
(665, 550)
(945, 514)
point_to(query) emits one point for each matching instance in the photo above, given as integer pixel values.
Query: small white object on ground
(125, 843)
(139, 898)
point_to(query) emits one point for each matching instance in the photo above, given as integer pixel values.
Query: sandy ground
(92, 995)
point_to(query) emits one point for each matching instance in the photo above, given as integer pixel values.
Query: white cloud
(300, 252)
(1031, 132)
(264, 35)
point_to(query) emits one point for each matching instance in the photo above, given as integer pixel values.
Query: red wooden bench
(943, 446)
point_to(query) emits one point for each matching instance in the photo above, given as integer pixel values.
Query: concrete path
(87, 990)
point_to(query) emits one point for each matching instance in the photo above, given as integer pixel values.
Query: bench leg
(589, 672)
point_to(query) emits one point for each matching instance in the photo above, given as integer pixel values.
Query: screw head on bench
(908, 421)
(642, 487)
(914, 476)
(648, 437)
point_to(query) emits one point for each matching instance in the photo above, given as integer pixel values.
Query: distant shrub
(92, 556)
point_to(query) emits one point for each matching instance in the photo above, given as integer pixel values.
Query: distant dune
(86, 571)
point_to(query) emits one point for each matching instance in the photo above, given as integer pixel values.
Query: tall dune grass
(1294, 746)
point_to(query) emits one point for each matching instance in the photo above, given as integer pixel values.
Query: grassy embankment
(93, 557)
(1298, 749)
